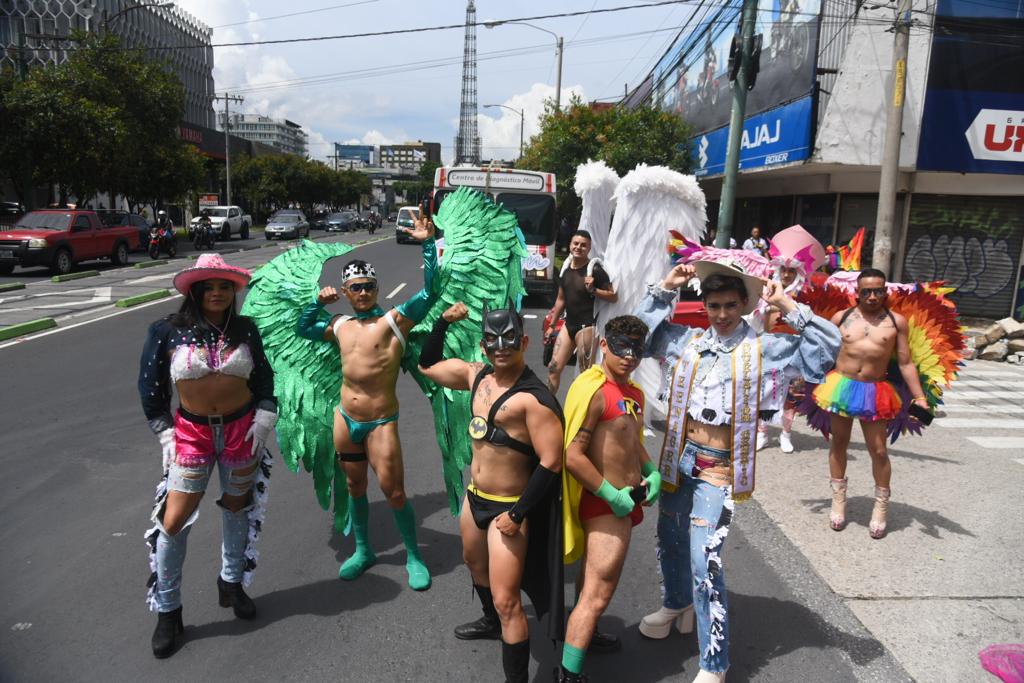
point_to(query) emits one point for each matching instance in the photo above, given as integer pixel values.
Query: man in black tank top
(581, 283)
(511, 520)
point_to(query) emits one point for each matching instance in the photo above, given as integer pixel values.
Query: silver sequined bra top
(192, 361)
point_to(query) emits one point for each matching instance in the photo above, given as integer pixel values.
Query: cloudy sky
(391, 89)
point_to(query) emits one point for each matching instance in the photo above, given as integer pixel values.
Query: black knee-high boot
(487, 627)
(516, 661)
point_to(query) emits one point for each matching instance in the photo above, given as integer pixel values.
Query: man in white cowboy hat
(723, 381)
(371, 343)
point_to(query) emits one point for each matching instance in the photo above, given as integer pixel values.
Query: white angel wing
(650, 201)
(595, 186)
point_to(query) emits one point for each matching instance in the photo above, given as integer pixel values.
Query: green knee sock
(572, 658)
(419, 575)
(363, 558)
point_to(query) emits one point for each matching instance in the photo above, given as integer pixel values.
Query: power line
(296, 14)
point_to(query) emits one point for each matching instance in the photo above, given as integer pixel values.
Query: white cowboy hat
(754, 285)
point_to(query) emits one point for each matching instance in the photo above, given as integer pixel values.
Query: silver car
(287, 225)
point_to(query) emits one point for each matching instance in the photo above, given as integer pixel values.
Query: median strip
(74, 276)
(150, 264)
(11, 286)
(130, 301)
(21, 329)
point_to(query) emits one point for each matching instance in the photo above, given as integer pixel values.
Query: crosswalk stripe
(1018, 384)
(998, 442)
(1004, 408)
(974, 423)
(990, 373)
(986, 394)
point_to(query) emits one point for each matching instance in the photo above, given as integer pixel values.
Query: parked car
(407, 215)
(343, 221)
(288, 225)
(113, 218)
(319, 220)
(60, 238)
(228, 219)
(10, 211)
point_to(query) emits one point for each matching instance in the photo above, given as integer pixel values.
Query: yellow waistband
(490, 496)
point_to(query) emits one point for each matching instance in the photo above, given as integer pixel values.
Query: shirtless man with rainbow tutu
(857, 389)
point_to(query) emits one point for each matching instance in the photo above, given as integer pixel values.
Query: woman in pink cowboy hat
(214, 358)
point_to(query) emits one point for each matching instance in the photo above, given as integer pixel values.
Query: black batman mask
(502, 328)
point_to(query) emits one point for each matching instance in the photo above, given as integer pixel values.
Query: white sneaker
(786, 442)
(762, 440)
(708, 677)
(659, 624)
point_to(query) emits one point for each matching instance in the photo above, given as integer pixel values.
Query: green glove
(652, 477)
(618, 499)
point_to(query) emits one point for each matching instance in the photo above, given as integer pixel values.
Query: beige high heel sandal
(880, 512)
(837, 516)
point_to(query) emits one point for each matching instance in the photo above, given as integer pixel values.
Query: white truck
(228, 219)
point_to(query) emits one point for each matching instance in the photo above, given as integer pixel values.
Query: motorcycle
(205, 235)
(162, 239)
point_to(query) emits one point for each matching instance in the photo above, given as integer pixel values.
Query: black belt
(212, 420)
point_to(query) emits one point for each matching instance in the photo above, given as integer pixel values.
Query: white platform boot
(659, 624)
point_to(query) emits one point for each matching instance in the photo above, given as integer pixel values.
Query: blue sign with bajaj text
(777, 136)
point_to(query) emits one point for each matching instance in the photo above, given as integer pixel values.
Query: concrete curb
(74, 276)
(11, 286)
(150, 264)
(21, 329)
(130, 301)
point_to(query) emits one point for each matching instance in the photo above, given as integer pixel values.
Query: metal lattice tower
(467, 142)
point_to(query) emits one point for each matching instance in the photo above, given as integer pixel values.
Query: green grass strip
(11, 286)
(74, 276)
(21, 329)
(130, 301)
(150, 263)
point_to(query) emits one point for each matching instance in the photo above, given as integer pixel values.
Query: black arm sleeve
(261, 381)
(601, 279)
(542, 481)
(155, 377)
(433, 345)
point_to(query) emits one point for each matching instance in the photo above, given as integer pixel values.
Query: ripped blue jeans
(692, 525)
(170, 550)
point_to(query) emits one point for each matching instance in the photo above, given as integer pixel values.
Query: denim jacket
(809, 354)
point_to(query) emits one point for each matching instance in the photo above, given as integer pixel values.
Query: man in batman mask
(510, 520)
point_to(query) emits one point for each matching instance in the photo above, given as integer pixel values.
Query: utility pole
(727, 204)
(228, 98)
(558, 78)
(888, 184)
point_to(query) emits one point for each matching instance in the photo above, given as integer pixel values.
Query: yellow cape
(577, 402)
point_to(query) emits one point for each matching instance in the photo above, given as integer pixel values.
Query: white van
(407, 215)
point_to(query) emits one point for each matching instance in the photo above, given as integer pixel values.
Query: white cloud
(499, 133)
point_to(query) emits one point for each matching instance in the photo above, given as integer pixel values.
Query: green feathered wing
(481, 264)
(307, 374)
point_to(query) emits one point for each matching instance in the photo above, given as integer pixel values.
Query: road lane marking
(986, 394)
(529, 316)
(1019, 460)
(974, 423)
(396, 290)
(100, 295)
(999, 442)
(149, 278)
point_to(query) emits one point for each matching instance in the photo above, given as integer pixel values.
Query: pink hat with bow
(794, 247)
(211, 267)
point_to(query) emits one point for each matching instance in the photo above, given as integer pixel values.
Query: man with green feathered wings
(371, 344)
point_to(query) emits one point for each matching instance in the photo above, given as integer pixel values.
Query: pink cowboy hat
(210, 267)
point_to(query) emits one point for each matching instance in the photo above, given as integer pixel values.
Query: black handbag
(922, 415)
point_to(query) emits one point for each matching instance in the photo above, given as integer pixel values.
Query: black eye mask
(625, 347)
(502, 328)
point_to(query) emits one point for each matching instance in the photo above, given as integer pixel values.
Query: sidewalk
(947, 580)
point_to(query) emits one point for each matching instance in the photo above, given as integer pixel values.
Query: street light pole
(522, 122)
(228, 98)
(559, 45)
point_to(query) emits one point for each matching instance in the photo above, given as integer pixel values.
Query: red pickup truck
(60, 238)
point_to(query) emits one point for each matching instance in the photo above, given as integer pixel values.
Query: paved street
(79, 465)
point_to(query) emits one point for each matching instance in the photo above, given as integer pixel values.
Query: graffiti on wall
(978, 267)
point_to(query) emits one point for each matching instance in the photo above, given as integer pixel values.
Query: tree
(621, 137)
(106, 119)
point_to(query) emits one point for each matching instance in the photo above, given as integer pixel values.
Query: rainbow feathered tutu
(848, 397)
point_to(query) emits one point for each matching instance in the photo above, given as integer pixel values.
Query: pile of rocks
(1002, 341)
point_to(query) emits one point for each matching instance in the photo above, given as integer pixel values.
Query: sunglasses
(868, 291)
(358, 287)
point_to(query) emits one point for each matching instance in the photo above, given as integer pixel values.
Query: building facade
(409, 157)
(812, 142)
(282, 134)
(354, 156)
(158, 28)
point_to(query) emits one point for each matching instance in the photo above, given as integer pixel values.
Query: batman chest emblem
(478, 427)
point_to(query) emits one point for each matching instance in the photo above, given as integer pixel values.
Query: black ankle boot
(515, 659)
(232, 595)
(563, 676)
(604, 642)
(487, 627)
(165, 636)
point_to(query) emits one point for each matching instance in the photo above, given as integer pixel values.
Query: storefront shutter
(972, 243)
